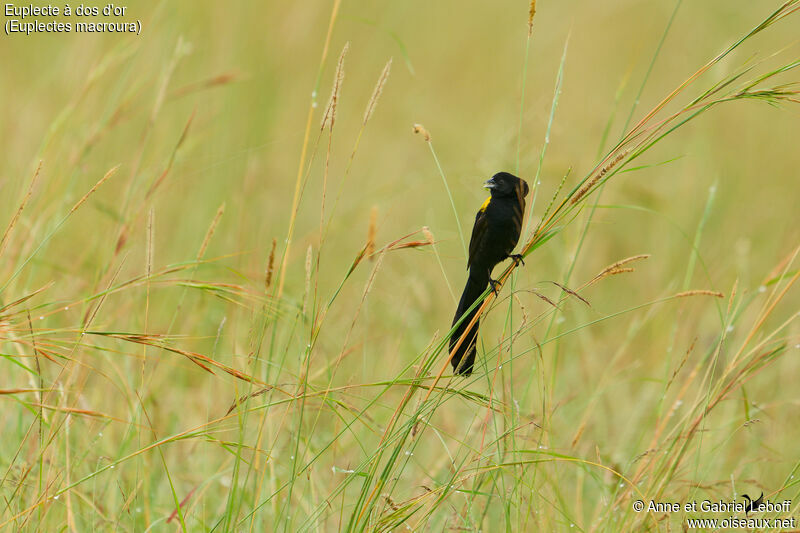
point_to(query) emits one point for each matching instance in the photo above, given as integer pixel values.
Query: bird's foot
(517, 259)
(493, 283)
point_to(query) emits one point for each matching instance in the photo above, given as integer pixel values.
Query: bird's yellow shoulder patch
(485, 204)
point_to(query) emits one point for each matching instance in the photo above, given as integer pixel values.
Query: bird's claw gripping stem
(493, 283)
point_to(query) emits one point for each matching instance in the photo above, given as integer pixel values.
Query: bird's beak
(490, 184)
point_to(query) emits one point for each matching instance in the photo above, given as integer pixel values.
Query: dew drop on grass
(762, 289)
(41, 318)
(55, 497)
(729, 328)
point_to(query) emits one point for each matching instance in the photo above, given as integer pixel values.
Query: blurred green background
(244, 73)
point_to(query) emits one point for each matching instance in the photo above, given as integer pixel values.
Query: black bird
(498, 225)
(753, 505)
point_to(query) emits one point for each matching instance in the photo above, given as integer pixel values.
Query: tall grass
(278, 360)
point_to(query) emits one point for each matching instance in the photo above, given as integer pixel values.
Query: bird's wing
(478, 234)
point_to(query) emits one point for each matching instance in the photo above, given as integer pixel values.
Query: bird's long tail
(464, 357)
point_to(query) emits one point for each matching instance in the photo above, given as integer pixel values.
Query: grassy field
(232, 246)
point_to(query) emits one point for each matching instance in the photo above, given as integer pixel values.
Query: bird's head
(505, 184)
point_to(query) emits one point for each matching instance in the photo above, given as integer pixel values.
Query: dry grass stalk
(271, 264)
(572, 293)
(150, 225)
(546, 299)
(419, 128)
(214, 81)
(376, 94)
(91, 312)
(358, 259)
(210, 233)
(26, 297)
(370, 247)
(240, 400)
(302, 163)
(203, 361)
(122, 239)
(680, 365)
(524, 320)
(579, 434)
(398, 244)
(330, 109)
(182, 48)
(157, 183)
(734, 383)
(15, 218)
(96, 186)
(364, 295)
(182, 505)
(368, 286)
(410, 244)
(308, 278)
(597, 177)
(779, 269)
(6, 392)
(38, 392)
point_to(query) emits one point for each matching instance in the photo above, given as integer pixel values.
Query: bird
(753, 505)
(497, 228)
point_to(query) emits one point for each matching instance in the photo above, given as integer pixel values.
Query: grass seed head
(330, 109)
(376, 93)
(419, 128)
(597, 177)
(428, 235)
(699, 292)
(270, 264)
(531, 14)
